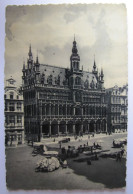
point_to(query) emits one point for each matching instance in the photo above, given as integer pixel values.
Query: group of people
(8, 141)
(119, 155)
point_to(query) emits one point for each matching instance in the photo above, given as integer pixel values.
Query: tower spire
(75, 58)
(94, 66)
(30, 53)
(23, 64)
(102, 75)
(74, 49)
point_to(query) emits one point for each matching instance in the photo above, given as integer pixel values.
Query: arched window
(58, 80)
(71, 80)
(77, 111)
(49, 80)
(42, 79)
(11, 95)
(86, 84)
(78, 96)
(92, 84)
(77, 81)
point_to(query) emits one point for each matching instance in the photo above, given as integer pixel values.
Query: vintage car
(64, 140)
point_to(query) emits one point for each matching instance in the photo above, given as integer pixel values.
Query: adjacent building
(60, 101)
(116, 98)
(14, 114)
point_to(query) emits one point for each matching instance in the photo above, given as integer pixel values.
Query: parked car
(64, 140)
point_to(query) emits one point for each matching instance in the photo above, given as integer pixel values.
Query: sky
(100, 30)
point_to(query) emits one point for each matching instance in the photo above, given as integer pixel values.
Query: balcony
(77, 87)
(18, 125)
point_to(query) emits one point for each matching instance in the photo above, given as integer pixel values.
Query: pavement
(85, 137)
(101, 175)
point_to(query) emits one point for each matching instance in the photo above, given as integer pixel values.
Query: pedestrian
(60, 144)
(118, 157)
(96, 157)
(113, 143)
(11, 140)
(89, 162)
(91, 150)
(6, 140)
(122, 152)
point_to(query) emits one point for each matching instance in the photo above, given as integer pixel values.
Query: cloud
(100, 29)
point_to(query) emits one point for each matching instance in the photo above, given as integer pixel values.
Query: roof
(56, 72)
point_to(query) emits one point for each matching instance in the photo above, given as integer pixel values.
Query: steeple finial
(30, 53)
(37, 57)
(74, 49)
(94, 66)
(23, 64)
(102, 71)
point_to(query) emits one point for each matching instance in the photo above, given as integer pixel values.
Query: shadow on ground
(107, 171)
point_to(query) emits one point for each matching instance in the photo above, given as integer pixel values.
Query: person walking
(60, 144)
(11, 140)
(118, 157)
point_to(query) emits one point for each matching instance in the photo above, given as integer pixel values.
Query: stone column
(45, 109)
(66, 110)
(58, 110)
(50, 109)
(40, 109)
(73, 110)
(100, 127)
(88, 127)
(94, 127)
(73, 96)
(82, 127)
(74, 128)
(22, 137)
(41, 132)
(66, 127)
(15, 124)
(16, 142)
(82, 110)
(106, 126)
(50, 129)
(58, 129)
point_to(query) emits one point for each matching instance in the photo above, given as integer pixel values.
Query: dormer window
(77, 81)
(11, 95)
(49, 80)
(11, 81)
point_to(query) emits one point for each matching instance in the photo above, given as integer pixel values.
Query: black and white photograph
(66, 97)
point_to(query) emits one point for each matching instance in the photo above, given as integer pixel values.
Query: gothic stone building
(116, 98)
(62, 101)
(14, 113)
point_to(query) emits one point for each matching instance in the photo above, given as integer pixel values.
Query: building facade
(14, 114)
(117, 101)
(60, 101)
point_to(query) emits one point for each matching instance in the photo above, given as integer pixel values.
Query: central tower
(75, 58)
(76, 74)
